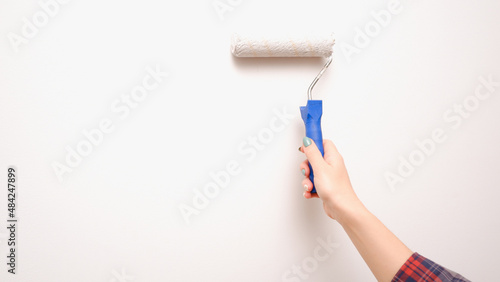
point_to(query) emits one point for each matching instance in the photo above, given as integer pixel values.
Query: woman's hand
(382, 251)
(331, 180)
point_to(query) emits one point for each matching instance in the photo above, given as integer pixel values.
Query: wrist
(350, 210)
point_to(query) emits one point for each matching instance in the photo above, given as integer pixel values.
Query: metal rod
(309, 91)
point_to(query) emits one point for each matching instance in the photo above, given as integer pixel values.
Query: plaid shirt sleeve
(418, 268)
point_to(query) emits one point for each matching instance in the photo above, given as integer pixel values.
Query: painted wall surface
(144, 151)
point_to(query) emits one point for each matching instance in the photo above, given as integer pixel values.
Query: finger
(307, 184)
(313, 154)
(309, 195)
(304, 167)
(332, 155)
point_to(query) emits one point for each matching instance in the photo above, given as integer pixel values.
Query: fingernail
(304, 194)
(300, 149)
(303, 172)
(305, 187)
(307, 141)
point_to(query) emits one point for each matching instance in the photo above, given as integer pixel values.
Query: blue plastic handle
(311, 115)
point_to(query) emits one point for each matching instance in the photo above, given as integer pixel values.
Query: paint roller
(285, 45)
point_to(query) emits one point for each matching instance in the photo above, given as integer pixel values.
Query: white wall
(116, 217)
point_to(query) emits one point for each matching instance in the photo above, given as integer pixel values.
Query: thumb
(312, 153)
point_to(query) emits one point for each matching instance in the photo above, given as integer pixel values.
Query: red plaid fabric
(418, 268)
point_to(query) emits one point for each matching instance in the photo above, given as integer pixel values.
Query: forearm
(382, 251)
